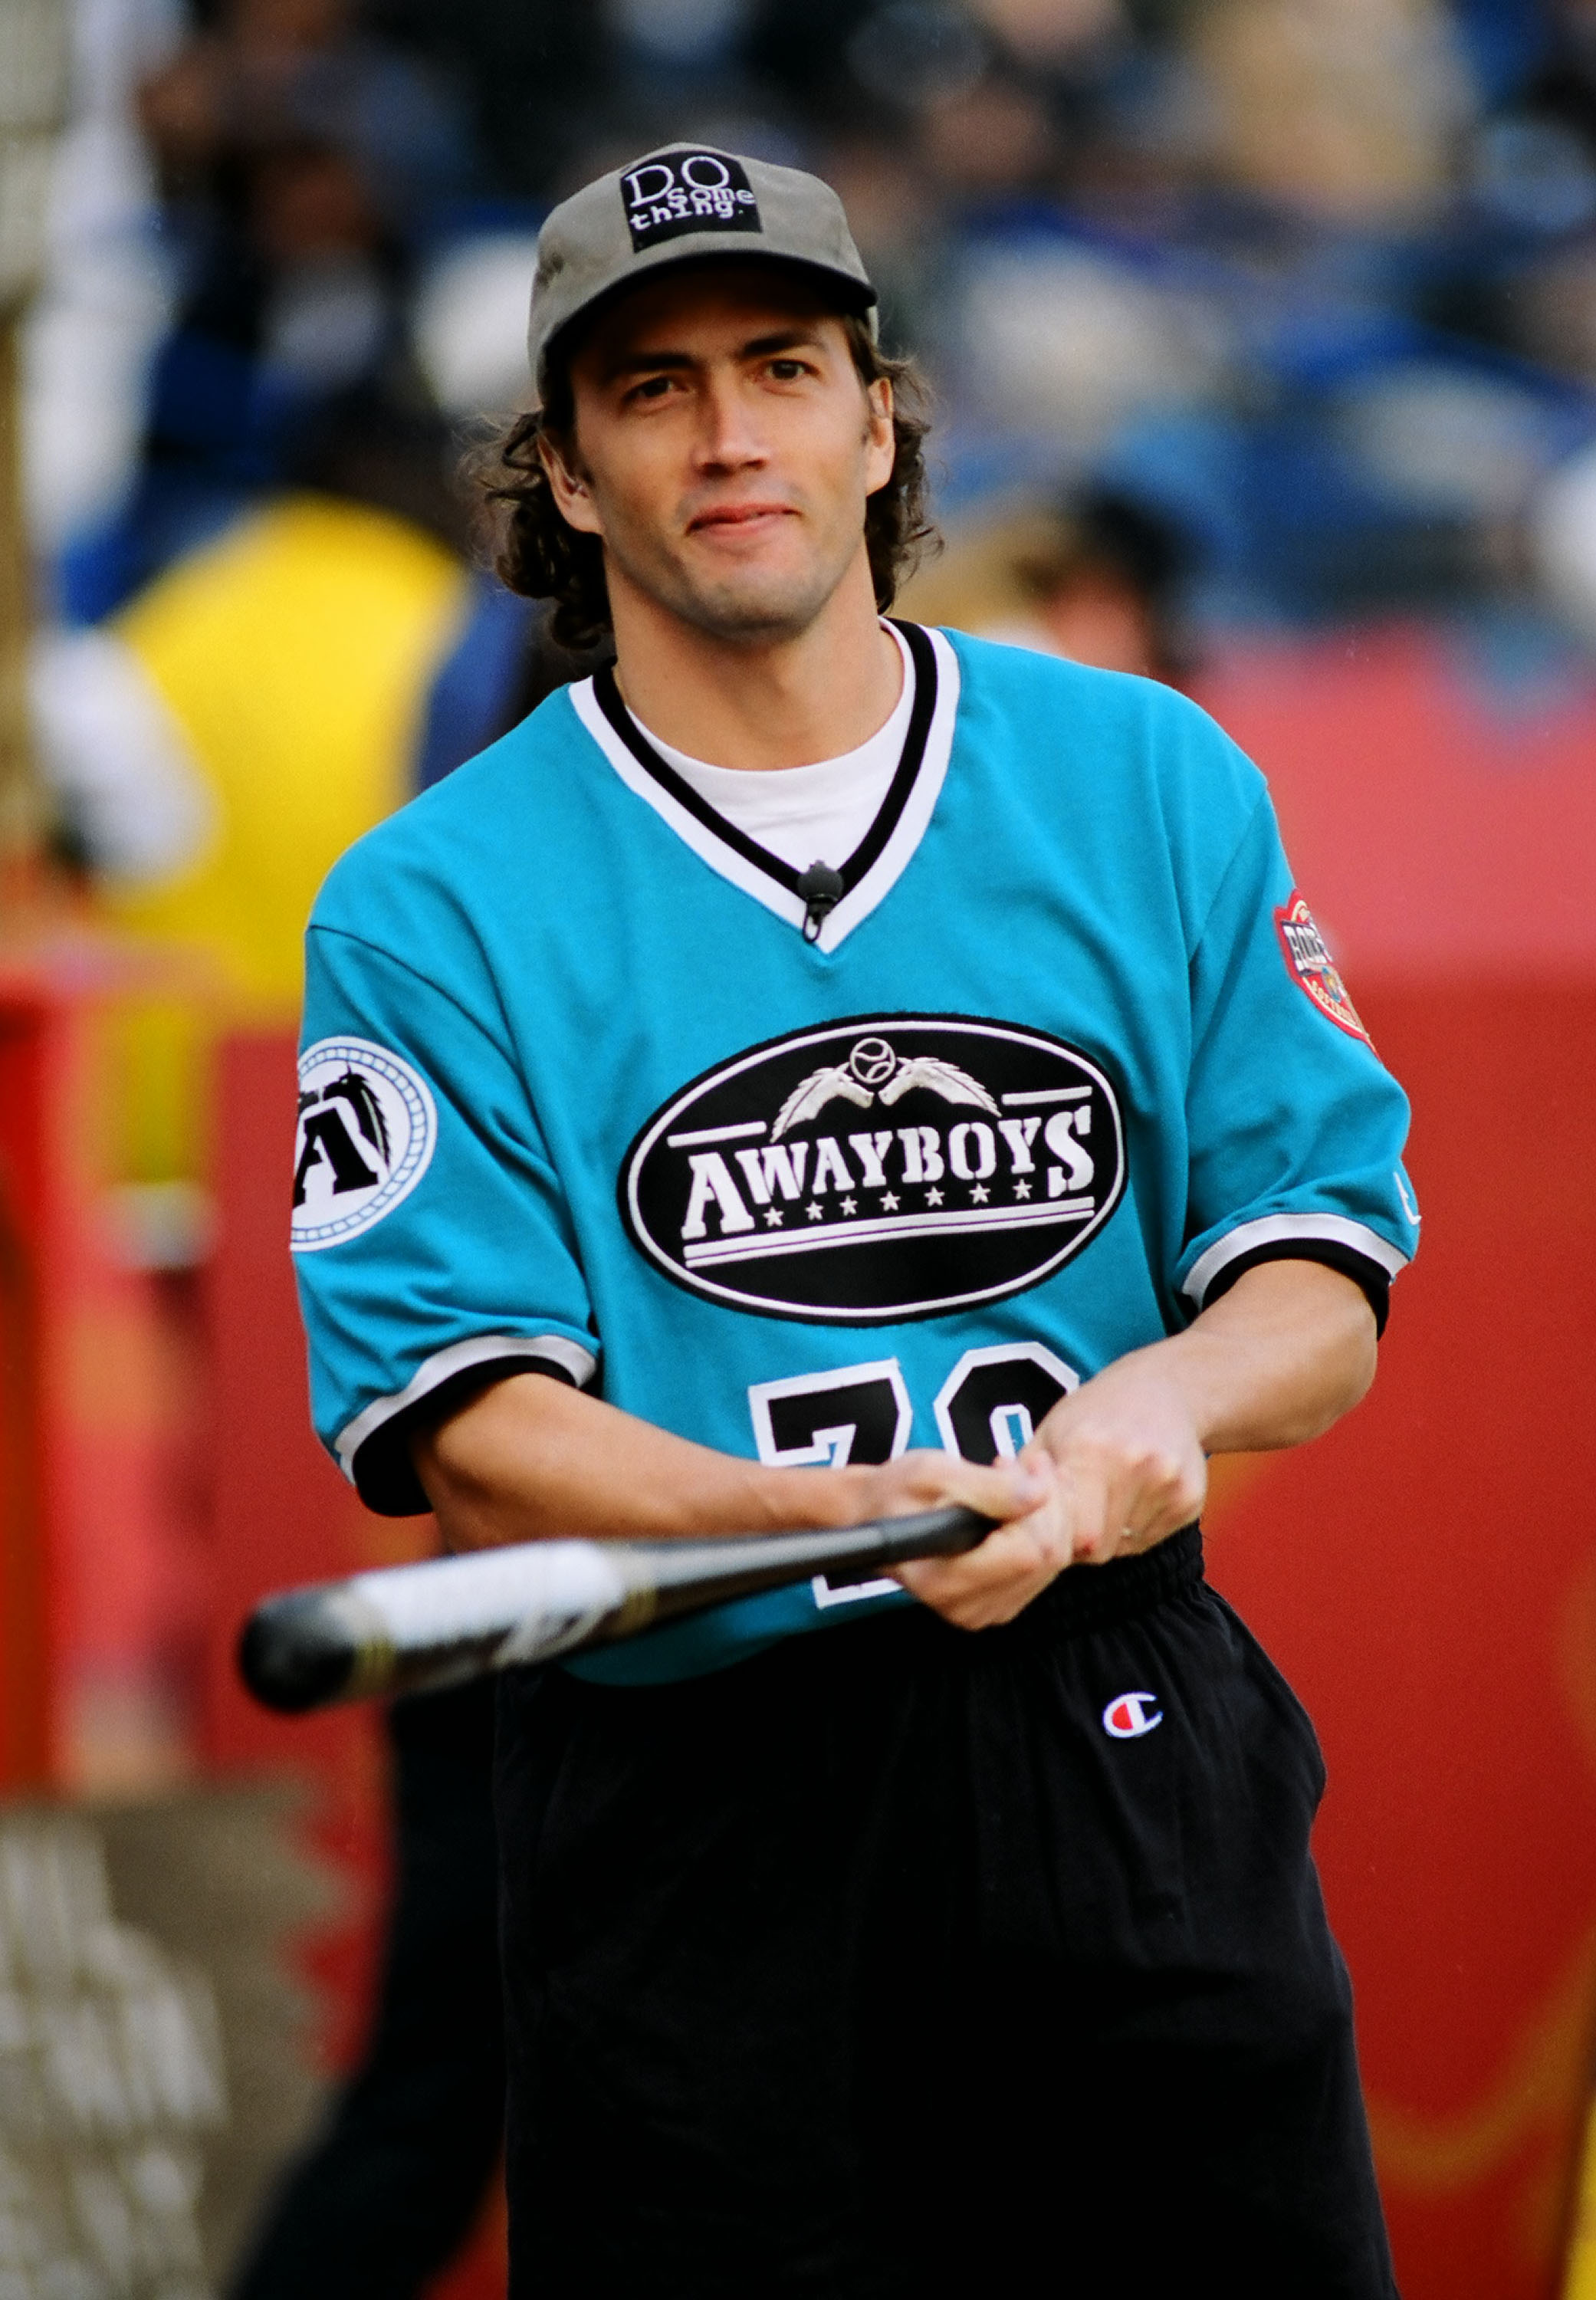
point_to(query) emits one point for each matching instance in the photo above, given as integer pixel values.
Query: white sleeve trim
(1336, 1230)
(482, 1349)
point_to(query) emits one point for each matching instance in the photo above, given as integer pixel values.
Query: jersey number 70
(986, 1410)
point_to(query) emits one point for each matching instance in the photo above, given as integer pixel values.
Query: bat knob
(300, 1650)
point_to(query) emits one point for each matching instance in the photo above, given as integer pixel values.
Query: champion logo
(1129, 1715)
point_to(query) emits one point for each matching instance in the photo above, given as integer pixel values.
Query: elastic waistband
(1087, 1598)
(1084, 1598)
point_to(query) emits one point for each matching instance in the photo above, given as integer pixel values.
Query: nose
(729, 437)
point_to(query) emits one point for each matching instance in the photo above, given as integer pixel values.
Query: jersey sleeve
(432, 1242)
(1295, 1127)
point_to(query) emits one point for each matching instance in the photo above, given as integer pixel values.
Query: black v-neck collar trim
(888, 815)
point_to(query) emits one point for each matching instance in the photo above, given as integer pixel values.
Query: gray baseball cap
(680, 205)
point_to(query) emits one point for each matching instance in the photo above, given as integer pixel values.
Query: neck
(760, 705)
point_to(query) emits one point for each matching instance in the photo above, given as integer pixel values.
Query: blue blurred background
(1316, 281)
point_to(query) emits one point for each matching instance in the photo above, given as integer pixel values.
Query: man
(818, 1035)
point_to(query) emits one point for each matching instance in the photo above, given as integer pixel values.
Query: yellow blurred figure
(295, 654)
(272, 685)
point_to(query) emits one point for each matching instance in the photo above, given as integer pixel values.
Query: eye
(787, 370)
(653, 387)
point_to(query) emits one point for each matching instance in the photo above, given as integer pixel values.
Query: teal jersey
(589, 1088)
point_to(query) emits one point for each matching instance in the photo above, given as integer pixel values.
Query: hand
(1116, 1467)
(1130, 1463)
(1015, 1563)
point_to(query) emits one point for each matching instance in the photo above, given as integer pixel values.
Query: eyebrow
(767, 346)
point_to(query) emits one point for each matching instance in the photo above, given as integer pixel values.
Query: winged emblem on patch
(872, 1073)
(354, 1090)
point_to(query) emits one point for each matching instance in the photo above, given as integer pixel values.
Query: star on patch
(1022, 1189)
(814, 1210)
(849, 1206)
(773, 1216)
(934, 1197)
(979, 1195)
(889, 1203)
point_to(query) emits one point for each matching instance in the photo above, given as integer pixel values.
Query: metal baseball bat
(415, 1627)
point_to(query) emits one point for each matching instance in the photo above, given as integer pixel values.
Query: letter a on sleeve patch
(1313, 967)
(366, 1129)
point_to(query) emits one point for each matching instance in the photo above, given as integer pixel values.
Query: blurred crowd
(1239, 313)
(1316, 279)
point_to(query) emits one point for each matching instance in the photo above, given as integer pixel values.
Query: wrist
(1167, 1378)
(1185, 1367)
(817, 1499)
(1214, 1383)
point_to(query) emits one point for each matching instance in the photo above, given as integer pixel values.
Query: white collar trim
(890, 864)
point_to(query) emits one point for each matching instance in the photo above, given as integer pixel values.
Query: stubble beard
(756, 607)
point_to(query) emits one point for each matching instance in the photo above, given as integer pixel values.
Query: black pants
(880, 1965)
(391, 2187)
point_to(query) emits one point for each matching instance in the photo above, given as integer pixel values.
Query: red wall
(32, 1056)
(1428, 1573)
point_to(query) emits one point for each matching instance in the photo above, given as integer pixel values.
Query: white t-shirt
(806, 814)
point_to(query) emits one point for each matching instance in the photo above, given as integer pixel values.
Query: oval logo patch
(893, 1166)
(367, 1127)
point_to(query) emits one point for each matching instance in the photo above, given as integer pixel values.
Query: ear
(881, 446)
(573, 498)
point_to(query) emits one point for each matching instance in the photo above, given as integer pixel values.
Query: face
(724, 447)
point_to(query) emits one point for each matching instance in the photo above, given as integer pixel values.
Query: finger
(1093, 1506)
(1157, 1493)
(1028, 1546)
(1005, 1490)
(983, 1608)
(996, 1580)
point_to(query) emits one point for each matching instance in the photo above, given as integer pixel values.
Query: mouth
(740, 519)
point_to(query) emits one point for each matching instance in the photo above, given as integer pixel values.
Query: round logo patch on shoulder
(1309, 961)
(368, 1126)
(893, 1166)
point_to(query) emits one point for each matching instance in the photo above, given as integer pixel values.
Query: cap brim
(854, 296)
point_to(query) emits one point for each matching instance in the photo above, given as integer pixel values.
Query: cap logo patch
(1129, 1715)
(368, 1126)
(1315, 970)
(687, 191)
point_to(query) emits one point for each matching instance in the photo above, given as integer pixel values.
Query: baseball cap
(680, 205)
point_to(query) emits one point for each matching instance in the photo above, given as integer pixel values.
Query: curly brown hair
(535, 553)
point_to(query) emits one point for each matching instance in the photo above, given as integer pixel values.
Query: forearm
(1279, 1358)
(530, 1458)
(1275, 1361)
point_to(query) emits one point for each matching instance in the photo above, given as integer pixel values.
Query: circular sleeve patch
(1307, 956)
(368, 1126)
